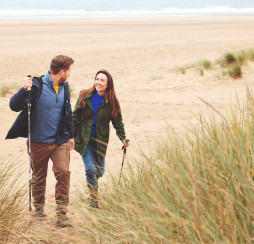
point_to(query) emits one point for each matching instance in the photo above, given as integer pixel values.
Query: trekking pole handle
(126, 141)
(29, 88)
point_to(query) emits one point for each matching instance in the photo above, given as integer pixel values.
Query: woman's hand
(126, 143)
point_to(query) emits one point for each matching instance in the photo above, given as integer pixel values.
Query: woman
(94, 109)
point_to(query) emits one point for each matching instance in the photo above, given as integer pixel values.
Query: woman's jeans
(94, 169)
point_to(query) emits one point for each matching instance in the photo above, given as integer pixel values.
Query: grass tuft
(181, 70)
(156, 77)
(200, 71)
(235, 71)
(229, 58)
(5, 89)
(12, 199)
(250, 54)
(205, 64)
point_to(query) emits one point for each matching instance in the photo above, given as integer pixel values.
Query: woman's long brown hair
(110, 95)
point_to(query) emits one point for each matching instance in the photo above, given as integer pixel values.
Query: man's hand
(71, 144)
(28, 82)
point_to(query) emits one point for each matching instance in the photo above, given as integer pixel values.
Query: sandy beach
(141, 55)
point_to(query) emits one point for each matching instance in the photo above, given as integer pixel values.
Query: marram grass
(198, 188)
(12, 200)
(235, 71)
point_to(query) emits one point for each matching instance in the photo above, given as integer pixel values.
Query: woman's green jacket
(82, 133)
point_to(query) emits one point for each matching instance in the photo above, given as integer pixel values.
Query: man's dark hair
(60, 62)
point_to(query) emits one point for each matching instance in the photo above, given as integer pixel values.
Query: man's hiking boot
(39, 213)
(62, 220)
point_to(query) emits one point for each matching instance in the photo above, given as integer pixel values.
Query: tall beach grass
(195, 188)
(12, 200)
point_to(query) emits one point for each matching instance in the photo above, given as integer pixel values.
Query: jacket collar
(47, 79)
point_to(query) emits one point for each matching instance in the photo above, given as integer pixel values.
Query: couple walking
(56, 130)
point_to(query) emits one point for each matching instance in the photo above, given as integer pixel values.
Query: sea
(44, 9)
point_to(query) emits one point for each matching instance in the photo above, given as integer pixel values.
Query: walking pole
(29, 141)
(124, 155)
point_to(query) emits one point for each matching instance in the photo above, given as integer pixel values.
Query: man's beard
(62, 80)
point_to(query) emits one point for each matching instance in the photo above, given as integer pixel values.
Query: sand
(141, 55)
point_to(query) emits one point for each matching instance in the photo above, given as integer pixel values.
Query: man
(51, 132)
